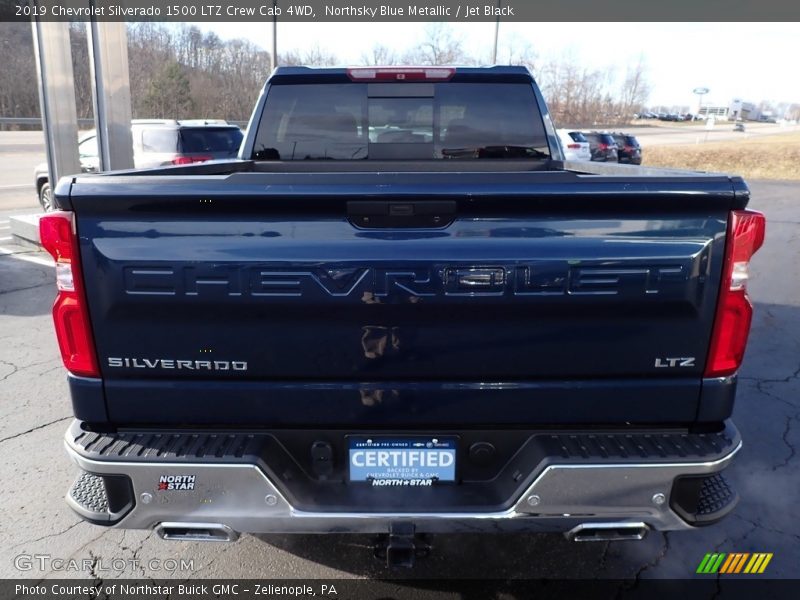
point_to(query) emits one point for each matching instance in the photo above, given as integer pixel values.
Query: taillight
(602, 146)
(187, 160)
(70, 315)
(734, 311)
(574, 146)
(401, 73)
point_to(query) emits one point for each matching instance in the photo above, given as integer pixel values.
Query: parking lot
(667, 134)
(35, 411)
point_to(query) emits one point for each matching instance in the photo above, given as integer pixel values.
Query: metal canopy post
(111, 94)
(57, 97)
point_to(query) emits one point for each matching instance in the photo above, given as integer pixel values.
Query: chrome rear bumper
(241, 498)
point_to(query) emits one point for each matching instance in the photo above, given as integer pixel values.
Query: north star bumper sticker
(168, 483)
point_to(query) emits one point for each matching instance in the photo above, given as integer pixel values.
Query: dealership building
(736, 110)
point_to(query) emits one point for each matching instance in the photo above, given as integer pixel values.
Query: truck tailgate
(268, 299)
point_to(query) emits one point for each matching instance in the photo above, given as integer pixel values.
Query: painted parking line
(5, 227)
(15, 186)
(37, 260)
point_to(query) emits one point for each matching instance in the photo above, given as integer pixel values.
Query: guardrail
(37, 121)
(82, 123)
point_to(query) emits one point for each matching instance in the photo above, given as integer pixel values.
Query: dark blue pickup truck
(400, 311)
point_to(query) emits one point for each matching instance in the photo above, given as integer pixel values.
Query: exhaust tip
(607, 532)
(196, 532)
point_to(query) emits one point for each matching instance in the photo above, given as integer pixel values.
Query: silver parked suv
(156, 143)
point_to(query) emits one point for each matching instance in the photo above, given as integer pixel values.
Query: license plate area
(402, 461)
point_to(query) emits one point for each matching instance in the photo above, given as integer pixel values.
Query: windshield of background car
(629, 140)
(211, 139)
(88, 147)
(577, 136)
(159, 140)
(406, 121)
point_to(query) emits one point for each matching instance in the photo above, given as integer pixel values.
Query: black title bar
(399, 10)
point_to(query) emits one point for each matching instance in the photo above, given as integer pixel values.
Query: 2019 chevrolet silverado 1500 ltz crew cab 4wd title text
(401, 310)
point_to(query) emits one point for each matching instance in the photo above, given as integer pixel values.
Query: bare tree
(576, 96)
(290, 58)
(439, 46)
(635, 88)
(79, 44)
(517, 51)
(18, 94)
(320, 57)
(379, 55)
(313, 57)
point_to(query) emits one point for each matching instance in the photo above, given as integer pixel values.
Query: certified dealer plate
(402, 461)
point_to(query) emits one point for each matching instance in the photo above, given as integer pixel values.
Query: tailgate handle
(401, 210)
(479, 278)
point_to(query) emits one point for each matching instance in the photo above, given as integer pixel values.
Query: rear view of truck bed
(267, 346)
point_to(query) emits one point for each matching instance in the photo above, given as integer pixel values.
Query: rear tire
(46, 198)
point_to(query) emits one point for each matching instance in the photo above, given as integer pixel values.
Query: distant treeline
(178, 71)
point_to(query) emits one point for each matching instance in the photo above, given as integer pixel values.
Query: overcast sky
(751, 61)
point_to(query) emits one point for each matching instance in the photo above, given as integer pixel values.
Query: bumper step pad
(102, 500)
(716, 496)
(703, 500)
(89, 493)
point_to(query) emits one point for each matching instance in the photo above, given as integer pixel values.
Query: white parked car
(156, 142)
(574, 145)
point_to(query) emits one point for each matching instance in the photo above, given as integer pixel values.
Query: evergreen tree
(170, 93)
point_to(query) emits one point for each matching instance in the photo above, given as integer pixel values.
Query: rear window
(577, 136)
(160, 140)
(352, 121)
(626, 140)
(210, 139)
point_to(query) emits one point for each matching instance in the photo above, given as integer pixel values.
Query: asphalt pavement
(35, 412)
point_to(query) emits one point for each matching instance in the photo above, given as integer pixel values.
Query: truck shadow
(496, 556)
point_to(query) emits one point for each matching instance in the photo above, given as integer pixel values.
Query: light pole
(700, 92)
